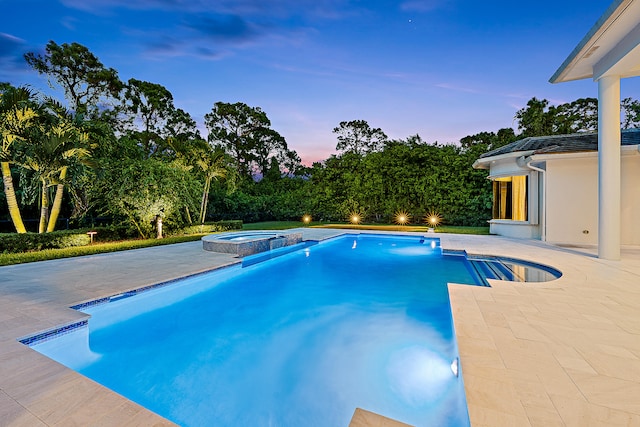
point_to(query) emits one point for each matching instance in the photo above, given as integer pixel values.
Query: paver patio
(563, 353)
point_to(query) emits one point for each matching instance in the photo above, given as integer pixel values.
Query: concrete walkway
(563, 353)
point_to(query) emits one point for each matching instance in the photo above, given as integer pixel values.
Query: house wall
(517, 229)
(532, 228)
(572, 200)
(630, 196)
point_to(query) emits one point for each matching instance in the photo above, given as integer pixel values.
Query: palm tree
(213, 165)
(52, 149)
(211, 162)
(16, 116)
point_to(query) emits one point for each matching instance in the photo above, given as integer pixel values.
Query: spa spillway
(245, 243)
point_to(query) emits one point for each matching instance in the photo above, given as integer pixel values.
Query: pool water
(299, 340)
(242, 236)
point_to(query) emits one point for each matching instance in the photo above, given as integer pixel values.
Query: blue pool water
(247, 236)
(299, 340)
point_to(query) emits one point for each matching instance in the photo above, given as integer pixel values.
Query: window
(510, 198)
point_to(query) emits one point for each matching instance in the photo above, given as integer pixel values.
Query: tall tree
(358, 137)
(17, 115)
(536, 119)
(269, 145)
(580, 115)
(630, 113)
(488, 141)
(180, 124)
(245, 133)
(539, 118)
(88, 85)
(150, 106)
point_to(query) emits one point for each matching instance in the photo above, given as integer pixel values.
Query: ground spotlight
(401, 218)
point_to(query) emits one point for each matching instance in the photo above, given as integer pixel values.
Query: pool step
(489, 269)
(494, 269)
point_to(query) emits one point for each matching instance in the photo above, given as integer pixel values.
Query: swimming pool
(303, 339)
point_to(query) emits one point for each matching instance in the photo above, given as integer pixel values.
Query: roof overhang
(610, 48)
(625, 150)
(485, 162)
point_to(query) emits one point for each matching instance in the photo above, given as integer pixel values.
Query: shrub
(211, 227)
(28, 242)
(13, 243)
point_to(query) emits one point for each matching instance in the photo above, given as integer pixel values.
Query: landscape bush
(29, 242)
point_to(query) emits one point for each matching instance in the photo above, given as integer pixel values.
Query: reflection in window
(510, 198)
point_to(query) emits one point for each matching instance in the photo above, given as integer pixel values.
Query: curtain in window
(510, 198)
(519, 198)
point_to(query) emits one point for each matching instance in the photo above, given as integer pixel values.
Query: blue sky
(442, 69)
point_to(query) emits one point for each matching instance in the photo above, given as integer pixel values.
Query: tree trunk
(205, 200)
(158, 227)
(186, 209)
(12, 202)
(44, 209)
(57, 202)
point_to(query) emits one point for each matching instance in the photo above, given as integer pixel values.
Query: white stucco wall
(572, 200)
(630, 196)
(507, 165)
(517, 229)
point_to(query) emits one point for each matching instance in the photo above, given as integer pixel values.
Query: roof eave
(483, 162)
(585, 44)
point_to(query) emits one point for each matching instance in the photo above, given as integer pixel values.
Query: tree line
(124, 151)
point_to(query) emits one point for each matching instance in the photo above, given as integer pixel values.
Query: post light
(355, 218)
(401, 218)
(433, 219)
(306, 218)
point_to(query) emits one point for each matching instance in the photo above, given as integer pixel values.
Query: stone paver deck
(563, 353)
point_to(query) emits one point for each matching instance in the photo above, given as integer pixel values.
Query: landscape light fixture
(401, 218)
(433, 219)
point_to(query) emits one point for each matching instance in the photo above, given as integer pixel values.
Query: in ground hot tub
(244, 243)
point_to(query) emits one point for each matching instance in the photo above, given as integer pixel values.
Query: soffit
(611, 47)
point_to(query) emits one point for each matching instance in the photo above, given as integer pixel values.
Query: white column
(609, 167)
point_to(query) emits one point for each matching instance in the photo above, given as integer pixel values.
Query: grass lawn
(417, 228)
(274, 225)
(283, 225)
(97, 248)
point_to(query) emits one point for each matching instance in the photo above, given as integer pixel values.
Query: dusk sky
(442, 69)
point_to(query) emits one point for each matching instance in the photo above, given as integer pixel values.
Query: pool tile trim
(126, 294)
(50, 334)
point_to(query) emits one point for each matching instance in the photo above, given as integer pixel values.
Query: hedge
(212, 227)
(28, 242)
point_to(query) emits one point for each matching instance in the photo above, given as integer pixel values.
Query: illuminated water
(300, 340)
(246, 236)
